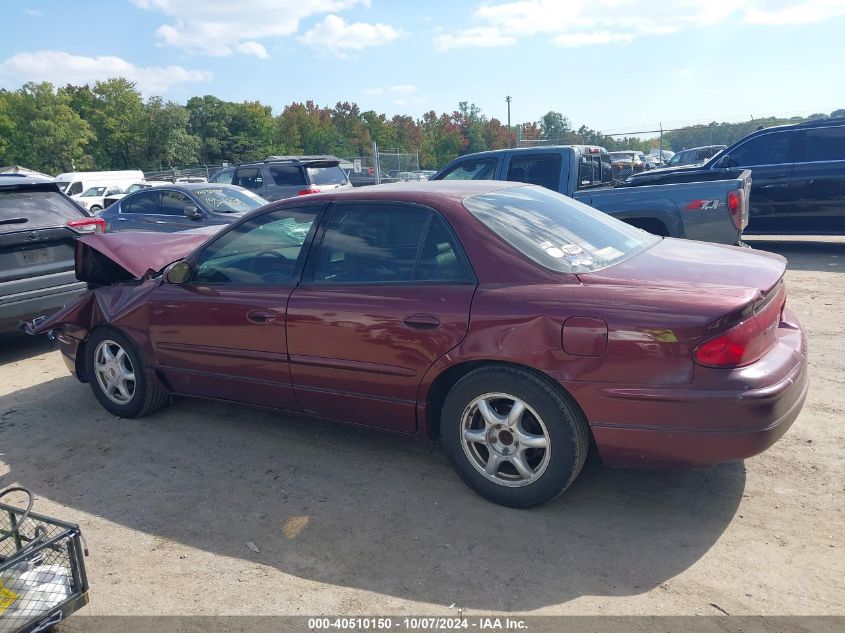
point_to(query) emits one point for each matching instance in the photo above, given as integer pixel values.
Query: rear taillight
(737, 209)
(310, 190)
(87, 226)
(744, 343)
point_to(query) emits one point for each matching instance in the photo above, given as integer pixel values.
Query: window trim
(301, 261)
(308, 280)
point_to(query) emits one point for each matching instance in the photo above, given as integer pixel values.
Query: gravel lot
(357, 522)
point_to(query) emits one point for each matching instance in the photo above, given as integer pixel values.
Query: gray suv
(38, 229)
(281, 177)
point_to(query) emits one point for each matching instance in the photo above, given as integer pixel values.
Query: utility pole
(508, 99)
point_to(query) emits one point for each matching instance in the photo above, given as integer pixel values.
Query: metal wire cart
(42, 570)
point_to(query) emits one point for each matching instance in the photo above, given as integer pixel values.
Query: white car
(93, 197)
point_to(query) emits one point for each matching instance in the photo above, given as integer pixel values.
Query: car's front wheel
(116, 371)
(513, 437)
(95, 208)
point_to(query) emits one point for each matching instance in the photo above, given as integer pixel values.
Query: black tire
(561, 421)
(146, 396)
(95, 208)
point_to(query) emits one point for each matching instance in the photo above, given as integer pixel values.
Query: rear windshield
(229, 199)
(327, 175)
(558, 232)
(22, 210)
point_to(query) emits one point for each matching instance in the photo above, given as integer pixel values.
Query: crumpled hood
(110, 257)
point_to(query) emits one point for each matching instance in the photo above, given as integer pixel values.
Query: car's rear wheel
(118, 377)
(513, 437)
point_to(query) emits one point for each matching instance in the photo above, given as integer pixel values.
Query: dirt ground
(350, 521)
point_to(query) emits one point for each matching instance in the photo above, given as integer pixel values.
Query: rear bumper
(703, 425)
(23, 306)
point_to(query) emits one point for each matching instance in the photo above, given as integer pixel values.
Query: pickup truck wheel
(512, 437)
(117, 374)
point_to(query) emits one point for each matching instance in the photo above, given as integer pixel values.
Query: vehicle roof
(700, 147)
(18, 182)
(296, 160)
(539, 149)
(187, 186)
(414, 191)
(796, 126)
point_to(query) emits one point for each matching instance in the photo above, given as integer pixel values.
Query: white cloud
(338, 36)
(621, 21)
(477, 36)
(794, 13)
(404, 89)
(225, 27)
(35, 13)
(253, 48)
(60, 68)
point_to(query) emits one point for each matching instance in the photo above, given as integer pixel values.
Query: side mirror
(178, 272)
(192, 212)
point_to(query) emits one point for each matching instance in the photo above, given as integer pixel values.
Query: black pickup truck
(711, 210)
(798, 172)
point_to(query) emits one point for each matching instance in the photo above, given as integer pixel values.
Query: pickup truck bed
(713, 208)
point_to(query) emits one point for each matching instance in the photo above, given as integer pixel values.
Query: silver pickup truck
(712, 210)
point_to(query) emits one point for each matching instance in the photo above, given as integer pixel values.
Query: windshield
(229, 199)
(558, 232)
(620, 155)
(327, 175)
(94, 191)
(136, 187)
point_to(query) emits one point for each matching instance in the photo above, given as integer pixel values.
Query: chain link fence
(393, 165)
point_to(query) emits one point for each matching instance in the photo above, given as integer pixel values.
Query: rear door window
(249, 178)
(483, 169)
(824, 144)
(174, 203)
(287, 175)
(371, 243)
(541, 169)
(145, 202)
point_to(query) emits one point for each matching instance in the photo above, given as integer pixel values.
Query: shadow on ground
(15, 346)
(355, 508)
(824, 255)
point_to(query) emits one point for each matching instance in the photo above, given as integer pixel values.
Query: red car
(512, 322)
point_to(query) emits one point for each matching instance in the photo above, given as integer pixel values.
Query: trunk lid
(700, 267)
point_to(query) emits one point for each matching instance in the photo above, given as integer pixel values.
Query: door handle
(260, 317)
(422, 322)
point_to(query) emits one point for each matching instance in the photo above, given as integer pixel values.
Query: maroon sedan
(513, 323)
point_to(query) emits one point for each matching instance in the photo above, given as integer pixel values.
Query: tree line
(111, 126)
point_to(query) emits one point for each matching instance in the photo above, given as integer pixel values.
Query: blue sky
(614, 65)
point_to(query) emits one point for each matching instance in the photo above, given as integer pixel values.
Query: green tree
(555, 127)
(45, 133)
(119, 123)
(168, 141)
